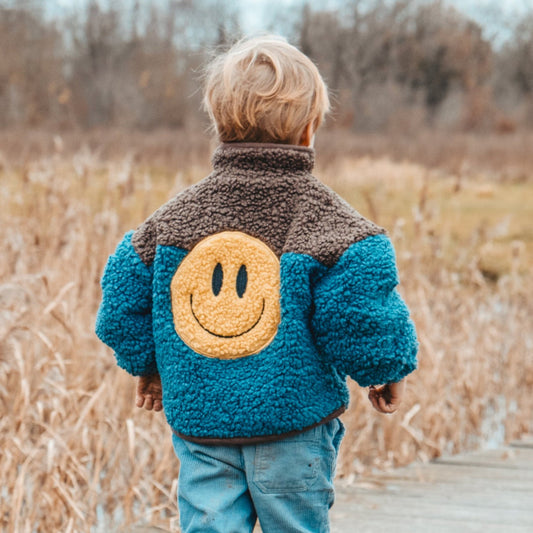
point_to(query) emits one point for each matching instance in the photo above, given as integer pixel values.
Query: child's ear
(306, 139)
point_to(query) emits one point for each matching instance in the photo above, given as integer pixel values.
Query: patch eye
(217, 279)
(242, 281)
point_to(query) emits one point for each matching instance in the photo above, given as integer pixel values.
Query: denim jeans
(286, 484)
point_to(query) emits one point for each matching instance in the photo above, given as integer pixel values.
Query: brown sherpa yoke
(266, 191)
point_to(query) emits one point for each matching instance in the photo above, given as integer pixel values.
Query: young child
(249, 298)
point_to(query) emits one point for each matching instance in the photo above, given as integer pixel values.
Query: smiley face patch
(225, 296)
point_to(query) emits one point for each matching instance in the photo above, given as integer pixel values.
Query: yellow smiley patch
(225, 296)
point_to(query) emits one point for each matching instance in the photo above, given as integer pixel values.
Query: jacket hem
(258, 439)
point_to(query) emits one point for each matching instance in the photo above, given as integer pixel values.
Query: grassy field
(76, 453)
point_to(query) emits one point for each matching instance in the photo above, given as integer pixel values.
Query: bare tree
(397, 54)
(31, 78)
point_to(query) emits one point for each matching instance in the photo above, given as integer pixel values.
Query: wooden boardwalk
(487, 492)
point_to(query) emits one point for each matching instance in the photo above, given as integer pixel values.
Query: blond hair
(264, 90)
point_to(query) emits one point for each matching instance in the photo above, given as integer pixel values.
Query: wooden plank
(524, 442)
(465, 473)
(448, 501)
(427, 508)
(347, 523)
(444, 494)
(512, 458)
(450, 485)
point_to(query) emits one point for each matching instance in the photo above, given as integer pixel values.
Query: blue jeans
(286, 484)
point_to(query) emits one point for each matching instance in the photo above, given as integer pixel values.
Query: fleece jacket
(254, 294)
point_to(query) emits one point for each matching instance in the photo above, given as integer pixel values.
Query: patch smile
(227, 336)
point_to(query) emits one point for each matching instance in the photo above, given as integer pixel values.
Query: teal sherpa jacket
(254, 294)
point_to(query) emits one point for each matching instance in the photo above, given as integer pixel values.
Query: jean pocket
(288, 465)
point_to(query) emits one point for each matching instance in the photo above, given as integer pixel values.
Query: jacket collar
(266, 158)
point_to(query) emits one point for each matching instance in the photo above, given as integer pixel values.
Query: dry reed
(78, 456)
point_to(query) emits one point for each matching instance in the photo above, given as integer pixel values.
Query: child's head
(265, 90)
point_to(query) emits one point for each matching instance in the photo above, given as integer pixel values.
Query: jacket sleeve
(124, 320)
(360, 323)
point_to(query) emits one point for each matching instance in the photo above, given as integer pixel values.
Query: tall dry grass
(78, 456)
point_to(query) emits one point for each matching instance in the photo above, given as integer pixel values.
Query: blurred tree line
(393, 65)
